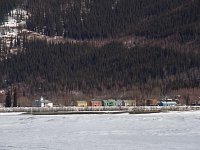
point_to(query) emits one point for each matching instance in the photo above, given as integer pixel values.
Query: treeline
(58, 67)
(90, 19)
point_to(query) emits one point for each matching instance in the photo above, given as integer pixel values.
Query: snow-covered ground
(9, 27)
(14, 22)
(174, 130)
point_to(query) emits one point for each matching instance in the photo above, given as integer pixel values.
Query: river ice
(166, 131)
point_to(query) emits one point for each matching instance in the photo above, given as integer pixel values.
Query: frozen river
(163, 131)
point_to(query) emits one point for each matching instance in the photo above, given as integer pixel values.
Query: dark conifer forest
(100, 19)
(65, 66)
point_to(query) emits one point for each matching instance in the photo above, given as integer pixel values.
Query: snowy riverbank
(173, 130)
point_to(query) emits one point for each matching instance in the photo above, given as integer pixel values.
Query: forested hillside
(84, 68)
(156, 45)
(88, 19)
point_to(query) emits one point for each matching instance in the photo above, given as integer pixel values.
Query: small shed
(119, 102)
(110, 102)
(167, 103)
(42, 103)
(151, 102)
(129, 102)
(95, 103)
(81, 103)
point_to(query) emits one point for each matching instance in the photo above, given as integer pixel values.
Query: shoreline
(77, 112)
(96, 110)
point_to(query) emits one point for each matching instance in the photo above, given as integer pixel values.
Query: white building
(42, 103)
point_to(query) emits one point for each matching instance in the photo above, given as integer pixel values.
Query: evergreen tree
(8, 99)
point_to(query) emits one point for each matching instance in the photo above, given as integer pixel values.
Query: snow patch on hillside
(114, 5)
(13, 21)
